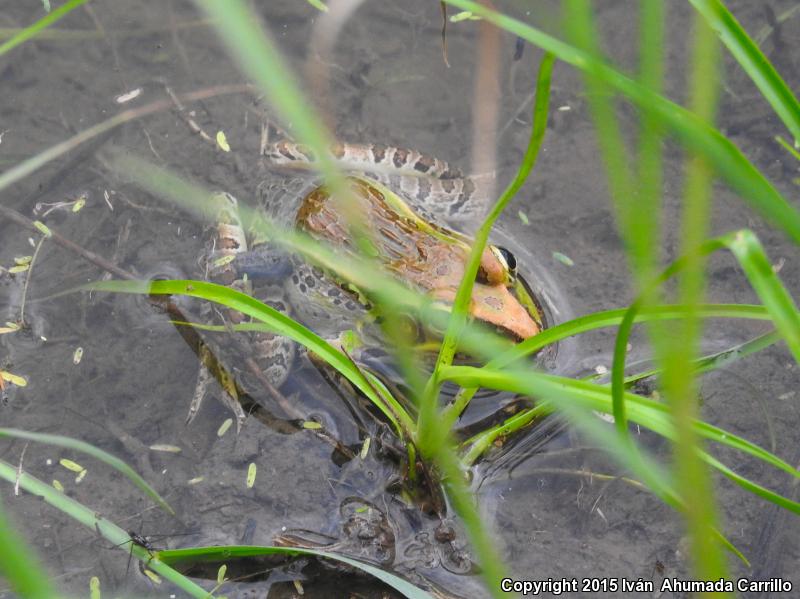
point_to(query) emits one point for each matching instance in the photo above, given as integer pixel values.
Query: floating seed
(77, 356)
(251, 475)
(223, 428)
(43, 228)
(70, 465)
(311, 425)
(19, 268)
(563, 258)
(221, 573)
(21, 260)
(465, 15)
(365, 448)
(523, 217)
(223, 260)
(165, 448)
(13, 378)
(58, 486)
(222, 142)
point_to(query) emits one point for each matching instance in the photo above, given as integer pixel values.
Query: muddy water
(134, 384)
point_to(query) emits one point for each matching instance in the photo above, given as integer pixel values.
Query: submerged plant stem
(28, 280)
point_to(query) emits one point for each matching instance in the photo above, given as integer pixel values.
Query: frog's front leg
(272, 353)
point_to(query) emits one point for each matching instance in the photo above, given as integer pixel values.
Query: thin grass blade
(99, 454)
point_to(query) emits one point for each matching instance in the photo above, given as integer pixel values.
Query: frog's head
(428, 256)
(499, 298)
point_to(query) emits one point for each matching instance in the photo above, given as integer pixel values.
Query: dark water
(133, 386)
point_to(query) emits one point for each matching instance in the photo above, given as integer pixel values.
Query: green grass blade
(426, 421)
(278, 323)
(92, 520)
(43, 23)
(695, 134)
(766, 283)
(562, 390)
(19, 565)
(99, 454)
(787, 146)
(383, 400)
(720, 359)
(228, 553)
(753, 61)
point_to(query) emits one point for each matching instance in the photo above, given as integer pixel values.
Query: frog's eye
(507, 259)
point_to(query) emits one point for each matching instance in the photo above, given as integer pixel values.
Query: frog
(410, 204)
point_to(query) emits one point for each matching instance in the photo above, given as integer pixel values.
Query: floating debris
(365, 448)
(79, 204)
(318, 5)
(523, 217)
(14, 379)
(196, 480)
(11, 327)
(58, 486)
(251, 475)
(222, 142)
(563, 258)
(223, 569)
(464, 15)
(128, 96)
(19, 268)
(223, 428)
(152, 576)
(312, 425)
(165, 448)
(70, 465)
(77, 356)
(43, 228)
(22, 260)
(224, 260)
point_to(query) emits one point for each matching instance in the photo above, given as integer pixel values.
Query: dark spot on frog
(443, 269)
(400, 157)
(302, 288)
(424, 164)
(379, 151)
(295, 279)
(351, 305)
(310, 281)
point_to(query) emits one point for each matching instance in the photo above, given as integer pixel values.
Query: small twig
(99, 261)
(19, 470)
(28, 280)
(190, 122)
